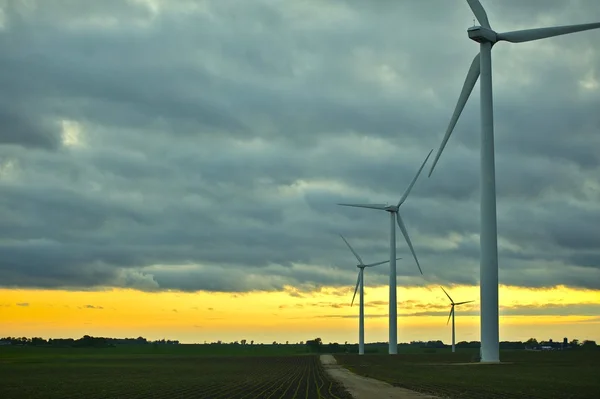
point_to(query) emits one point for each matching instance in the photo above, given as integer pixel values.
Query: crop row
(564, 374)
(166, 377)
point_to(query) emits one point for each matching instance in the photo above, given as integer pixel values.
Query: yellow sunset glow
(293, 315)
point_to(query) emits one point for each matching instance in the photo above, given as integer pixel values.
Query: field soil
(363, 387)
(523, 374)
(52, 374)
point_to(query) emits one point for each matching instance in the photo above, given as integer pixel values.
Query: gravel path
(366, 388)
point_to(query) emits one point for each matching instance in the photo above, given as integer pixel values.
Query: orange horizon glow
(293, 315)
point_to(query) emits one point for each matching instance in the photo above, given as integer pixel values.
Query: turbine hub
(482, 35)
(391, 208)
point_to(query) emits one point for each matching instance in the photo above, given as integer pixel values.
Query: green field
(179, 371)
(557, 374)
(284, 371)
(151, 349)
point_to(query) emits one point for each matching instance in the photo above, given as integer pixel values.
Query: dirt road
(366, 388)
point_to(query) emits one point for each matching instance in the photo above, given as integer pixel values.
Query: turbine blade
(451, 310)
(353, 251)
(412, 183)
(480, 13)
(461, 303)
(370, 206)
(356, 289)
(447, 294)
(527, 35)
(407, 238)
(380, 263)
(470, 81)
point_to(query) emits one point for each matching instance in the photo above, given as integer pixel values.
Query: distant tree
(589, 344)
(435, 344)
(274, 342)
(287, 342)
(252, 342)
(471, 344)
(512, 345)
(334, 347)
(38, 341)
(531, 343)
(314, 345)
(574, 343)
(243, 342)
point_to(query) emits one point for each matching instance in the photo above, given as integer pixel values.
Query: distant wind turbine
(361, 283)
(482, 65)
(395, 217)
(453, 304)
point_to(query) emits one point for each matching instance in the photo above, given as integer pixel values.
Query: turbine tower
(482, 65)
(361, 282)
(395, 218)
(453, 304)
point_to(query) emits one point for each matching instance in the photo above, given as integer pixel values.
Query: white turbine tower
(482, 65)
(395, 218)
(360, 282)
(453, 304)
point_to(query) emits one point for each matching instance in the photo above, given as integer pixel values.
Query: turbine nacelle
(485, 34)
(452, 304)
(482, 35)
(482, 66)
(393, 209)
(361, 266)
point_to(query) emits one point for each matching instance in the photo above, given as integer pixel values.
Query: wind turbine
(395, 218)
(360, 282)
(482, 65)
(452, 315)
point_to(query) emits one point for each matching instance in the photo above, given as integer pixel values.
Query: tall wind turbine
(482, 65)
(453, 304)
(360, 282)
(395, 218)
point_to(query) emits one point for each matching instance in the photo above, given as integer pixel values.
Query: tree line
(85, 341)
(316, 345)
(312, 345)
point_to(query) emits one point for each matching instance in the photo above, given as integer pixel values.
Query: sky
(172, 169)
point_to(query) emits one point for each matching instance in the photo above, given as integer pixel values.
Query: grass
(170, 372)
(565, 375)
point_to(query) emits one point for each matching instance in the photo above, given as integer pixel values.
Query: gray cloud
(586, 309)
(589, 309)
(93, 307)
(203, 146)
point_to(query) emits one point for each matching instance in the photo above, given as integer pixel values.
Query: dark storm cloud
(19, 128)
(204, 145)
